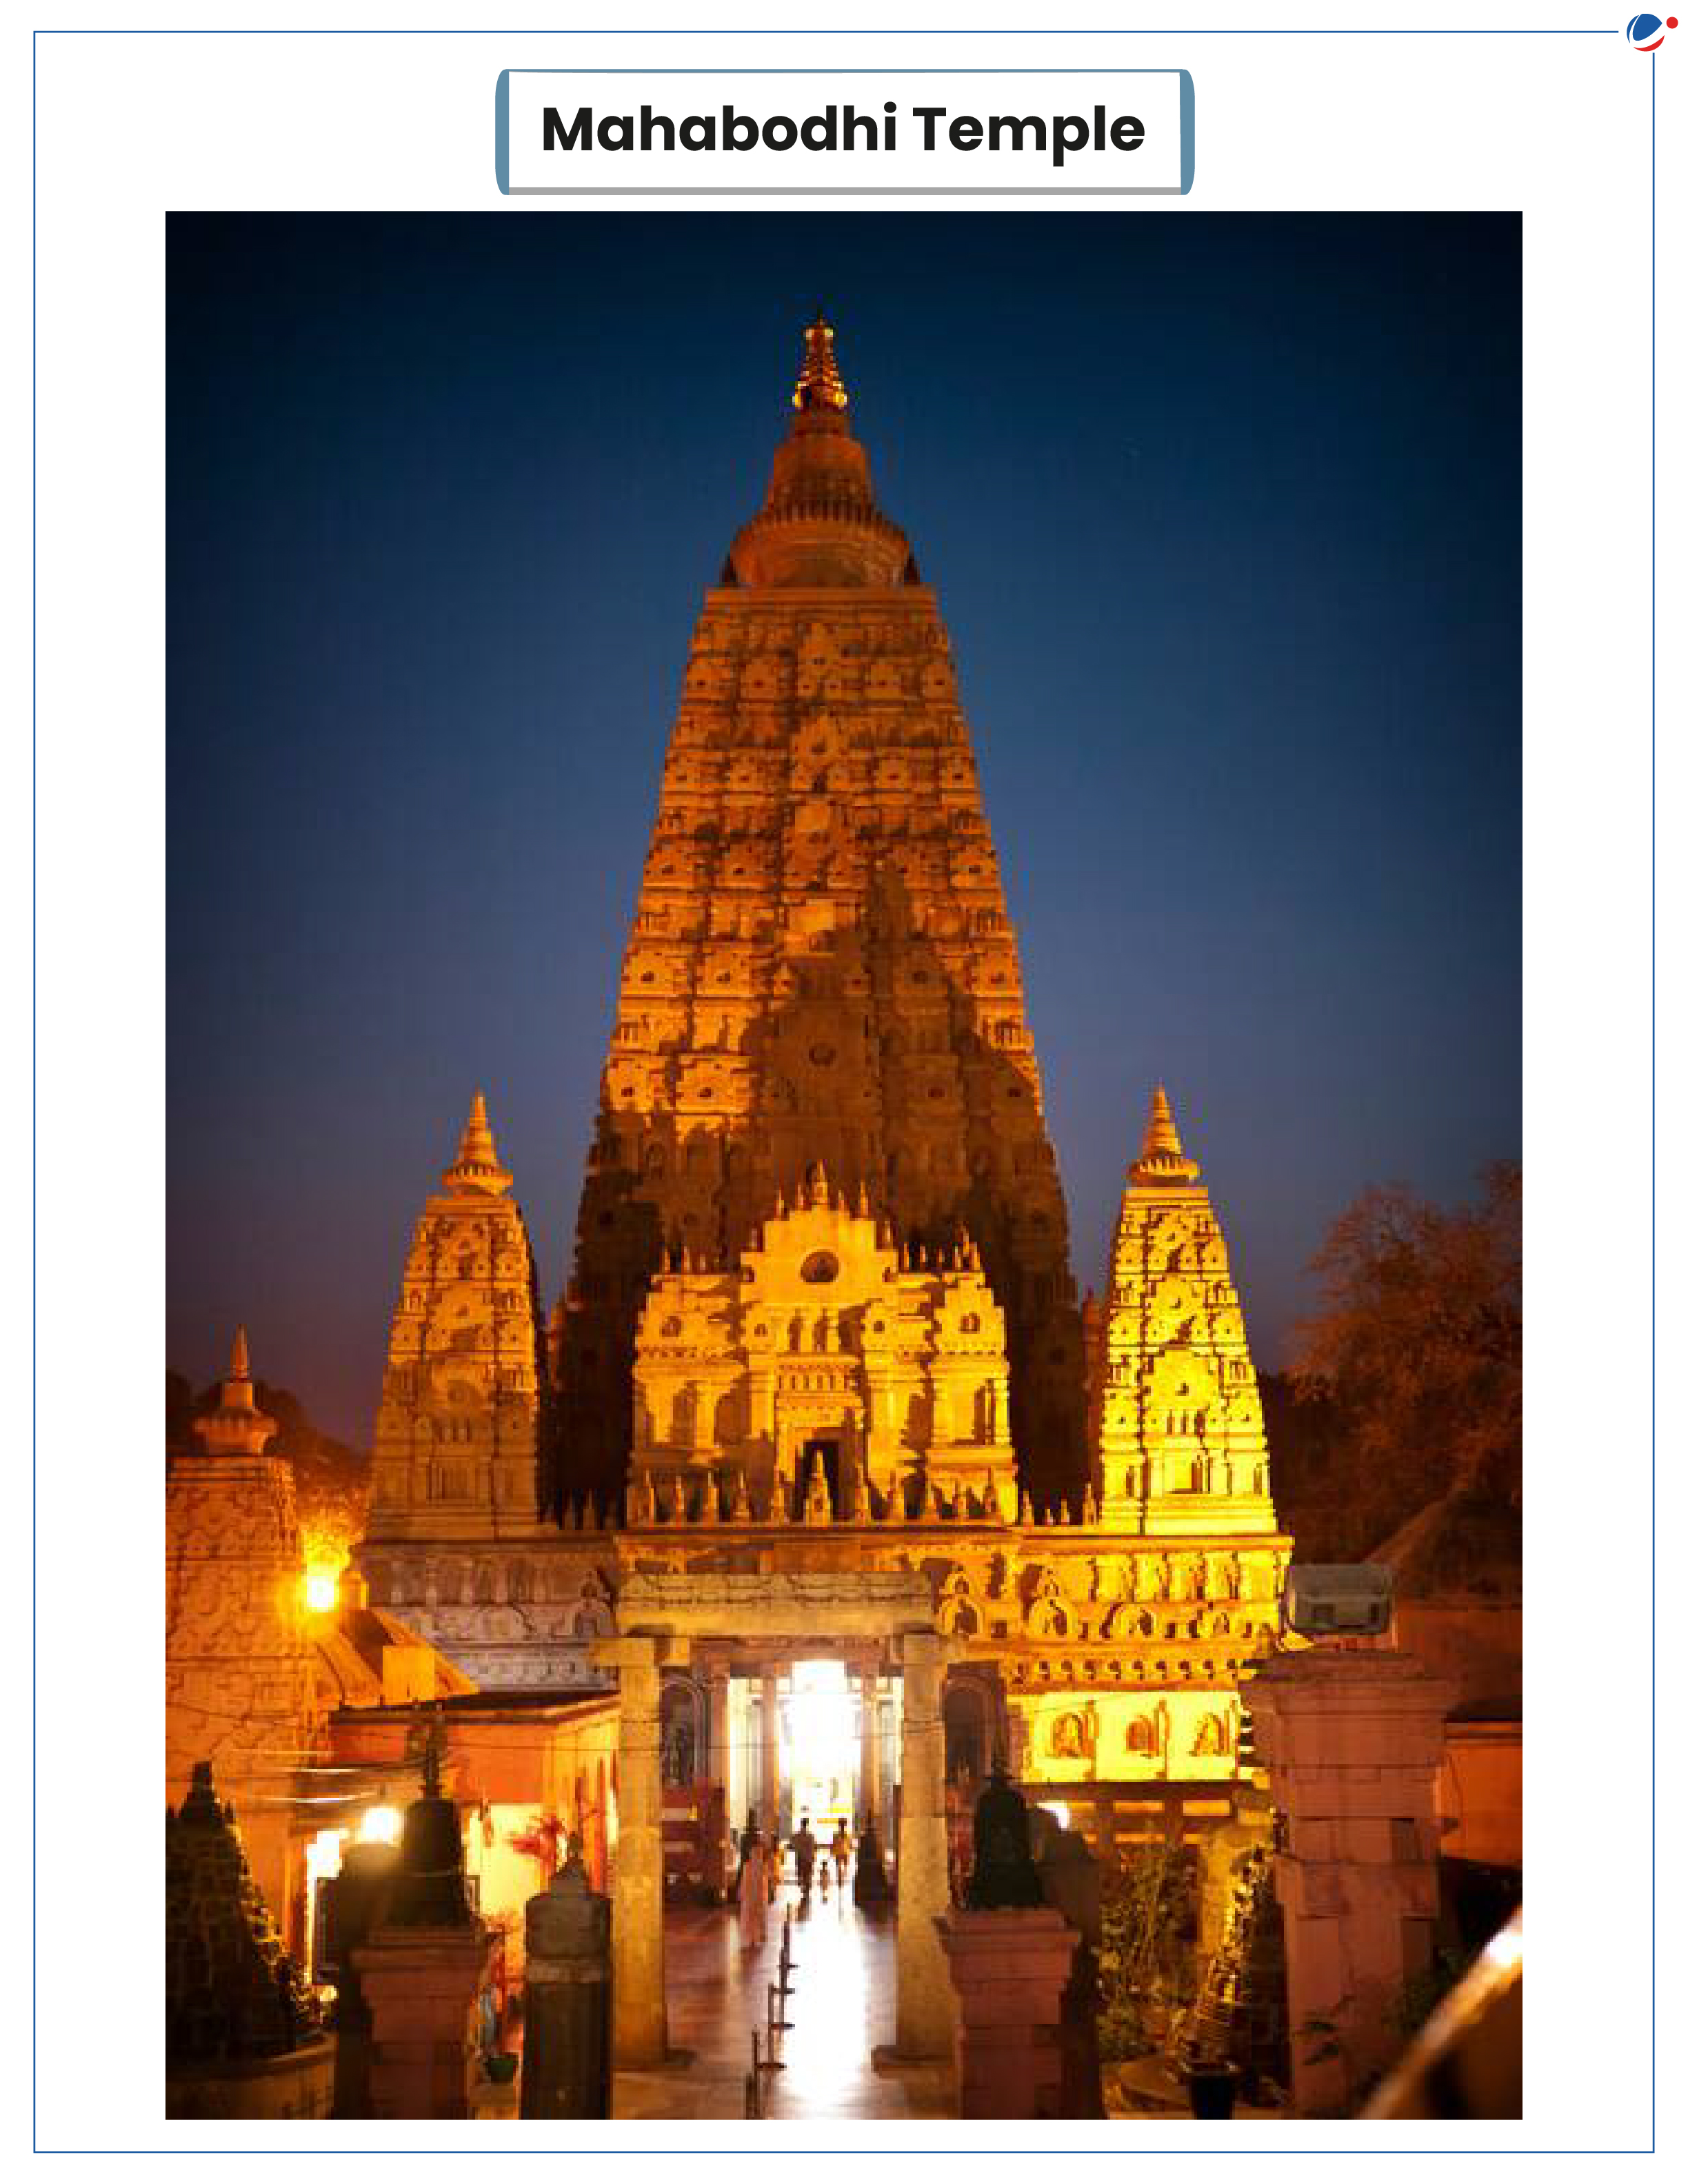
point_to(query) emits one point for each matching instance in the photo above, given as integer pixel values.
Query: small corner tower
(239, 1687)
(457, 1434)
(1180, 1445)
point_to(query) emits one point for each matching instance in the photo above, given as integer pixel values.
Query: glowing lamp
(321, 1589)
(381, 1824)
(1060, 1813)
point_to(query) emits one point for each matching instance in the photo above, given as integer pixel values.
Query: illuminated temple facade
(821, 1332)
(821, 970)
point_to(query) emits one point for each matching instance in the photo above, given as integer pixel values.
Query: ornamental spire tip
(819, 385)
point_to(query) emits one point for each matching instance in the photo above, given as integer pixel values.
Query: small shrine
(243, 2035)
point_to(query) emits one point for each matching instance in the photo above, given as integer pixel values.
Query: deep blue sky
(1223, 513)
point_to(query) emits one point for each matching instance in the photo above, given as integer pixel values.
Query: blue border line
(1652, 1016)
(34, 923)
(35, 1112)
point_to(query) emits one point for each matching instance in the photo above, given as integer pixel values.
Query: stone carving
(1046, 1614)
(957, 1614)
(1066, 1737)
(887, 1367)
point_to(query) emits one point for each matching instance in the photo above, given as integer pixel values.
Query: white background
(1558, 125)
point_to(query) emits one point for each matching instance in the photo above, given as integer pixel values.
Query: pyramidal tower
(821, 968)
(458, 1432)
(1180, 1444)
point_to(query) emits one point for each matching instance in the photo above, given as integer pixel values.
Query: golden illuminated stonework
(829, 1374)
(239, 1688)
(457, 1435)
(1180, 1445)
(822, 966)
(820, 1343)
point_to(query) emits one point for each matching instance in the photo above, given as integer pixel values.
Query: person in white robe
(753, 1887)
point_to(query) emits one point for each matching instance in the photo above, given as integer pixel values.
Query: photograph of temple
(800, 1571)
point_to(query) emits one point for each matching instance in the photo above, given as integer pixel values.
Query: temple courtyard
(842, 2006)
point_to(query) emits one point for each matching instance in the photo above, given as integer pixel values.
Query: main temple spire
(821, 969)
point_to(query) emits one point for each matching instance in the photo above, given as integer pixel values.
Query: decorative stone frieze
(828, 1373)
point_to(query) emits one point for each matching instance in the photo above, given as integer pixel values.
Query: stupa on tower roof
(477, 1166)
(237, 1427)
(820, 525)
(1162, 1159)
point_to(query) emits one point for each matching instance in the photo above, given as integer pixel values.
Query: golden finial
(818, 384)
(1162, 1158)
(477, 1166)
(237, 1427)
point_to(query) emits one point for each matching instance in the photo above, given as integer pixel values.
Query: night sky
(1223, 514)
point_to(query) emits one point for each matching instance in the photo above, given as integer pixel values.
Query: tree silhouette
(1410, 1375)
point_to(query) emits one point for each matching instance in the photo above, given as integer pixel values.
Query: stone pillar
(363, 1890)
(721, 1726)
(767, 1811)
(1072, 1885)
(717, 1863)
(641, 2010)
(566, 2065)
(1352, 1743)
(925, 2011)
(870, 1748)
(421, 1985)
(1009, 1969)
(1019, 1741)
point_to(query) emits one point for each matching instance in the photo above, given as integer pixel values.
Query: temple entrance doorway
(820, 1734)
(798, 1665)
(821, 1748)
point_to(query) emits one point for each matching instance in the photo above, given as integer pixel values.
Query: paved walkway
(842, 2006)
